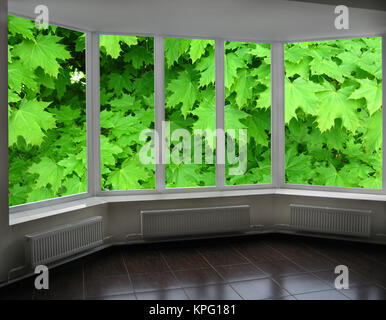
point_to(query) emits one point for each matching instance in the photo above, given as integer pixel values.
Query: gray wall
(122, 219)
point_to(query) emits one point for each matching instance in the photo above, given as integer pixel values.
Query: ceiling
(261, 20)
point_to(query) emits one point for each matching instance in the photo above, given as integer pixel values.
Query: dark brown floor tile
(145, 261)
(329, 276)
(183, 258)
(128, 296)
(21, 290)
(322, 295)
(240, 272)
(222, 255)
(109, 263)
(279, 268)
(258, 252)
(314, 262)
(198, 277)
(173, 294)
(155, 281)
(258, 289)
(302, 283)
(105, 286)
(214, 292)
(290, 248)
(366, 292)
(65, 283)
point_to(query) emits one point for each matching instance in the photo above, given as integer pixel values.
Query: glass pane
(247, 113)
(127, 111)
(333, 113)
(190, 112)
(46, 112)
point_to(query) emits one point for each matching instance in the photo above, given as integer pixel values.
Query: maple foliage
(333, 113)
(46, 112)
(333, 110)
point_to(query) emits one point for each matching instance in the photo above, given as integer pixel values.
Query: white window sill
(29, 215)
(47, 211)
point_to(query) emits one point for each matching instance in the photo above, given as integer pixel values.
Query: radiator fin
(49, 246)
(173, 222)
(331, 220)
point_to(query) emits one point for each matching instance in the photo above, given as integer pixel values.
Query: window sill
(34, 214)
(47, 211)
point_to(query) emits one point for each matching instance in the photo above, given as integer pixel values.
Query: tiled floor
(255, 267)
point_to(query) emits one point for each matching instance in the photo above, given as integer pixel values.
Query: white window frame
(277, 122)
(281, 125)
(89, 131)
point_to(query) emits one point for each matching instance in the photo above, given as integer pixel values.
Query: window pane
(247, 113)
(46, 112)
(190, 112)
(333, 113)
(127, 111)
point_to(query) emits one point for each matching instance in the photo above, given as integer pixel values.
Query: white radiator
(331, 220)
(48, 246)
(174, 222)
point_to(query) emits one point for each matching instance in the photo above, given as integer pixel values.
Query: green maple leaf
(74, 185)
(48, 173)
(295, 53)
(243, 87)
(66, 114)
(174, 48)
(372, 138)
(336, 104)
(328, 176)
(233, 117)
(302, 68)
(297, 167)
(207, 68)
(198, 48)
(125, 103)
(258, 122)
(327, 67)
(300, 94)
(232, 64)
(21, 26)
(44, 52)
(372, 92)
(128, 176)
(117, 82)
(206, 113)
(108, 150)
(30, 121)
(371, 182)
(260, 50)
(18, 76)
(336, 136)
(72, 164)
(183, 175)
(112, 43)
(183, 90)
(40, 194)
(139, 56)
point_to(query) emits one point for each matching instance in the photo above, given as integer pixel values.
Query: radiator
(48, 246)
(174, 222)
(331, 220)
